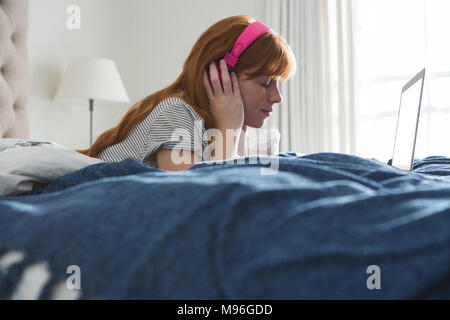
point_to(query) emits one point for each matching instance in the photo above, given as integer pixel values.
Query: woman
(201, 105)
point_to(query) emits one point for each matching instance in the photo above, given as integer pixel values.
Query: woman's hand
(226, 106)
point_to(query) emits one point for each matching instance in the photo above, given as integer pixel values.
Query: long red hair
(269, 55)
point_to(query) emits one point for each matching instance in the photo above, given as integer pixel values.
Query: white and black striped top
(172, 124)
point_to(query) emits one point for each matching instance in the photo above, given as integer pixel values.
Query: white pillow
(25, 163)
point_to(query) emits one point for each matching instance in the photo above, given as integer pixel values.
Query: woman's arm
(227, 111)
(179, 160)
(172, 159)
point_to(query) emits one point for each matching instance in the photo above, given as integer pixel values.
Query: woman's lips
(266, 112)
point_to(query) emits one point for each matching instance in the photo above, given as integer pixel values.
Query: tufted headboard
(13, 69)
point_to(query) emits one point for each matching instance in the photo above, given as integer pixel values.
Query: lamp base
(91, 111)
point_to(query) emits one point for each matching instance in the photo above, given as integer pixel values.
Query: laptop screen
(407, 122)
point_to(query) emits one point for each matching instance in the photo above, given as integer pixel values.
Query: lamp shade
(91, 78)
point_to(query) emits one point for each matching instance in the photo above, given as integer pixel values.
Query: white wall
(148, 39)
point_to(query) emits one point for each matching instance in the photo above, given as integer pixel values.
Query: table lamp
(89, 79)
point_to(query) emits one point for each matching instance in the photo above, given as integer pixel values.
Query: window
(394, 40)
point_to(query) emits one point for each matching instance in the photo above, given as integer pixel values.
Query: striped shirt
(172, 124)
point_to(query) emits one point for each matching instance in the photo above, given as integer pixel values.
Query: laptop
(408, 122)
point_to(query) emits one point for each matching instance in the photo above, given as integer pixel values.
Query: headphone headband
(252, 32)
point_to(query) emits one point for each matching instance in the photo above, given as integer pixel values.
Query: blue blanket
(322, 226)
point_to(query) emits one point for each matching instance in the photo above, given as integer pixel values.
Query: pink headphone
(252, 32)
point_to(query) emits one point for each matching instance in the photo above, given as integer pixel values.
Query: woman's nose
(275, 96)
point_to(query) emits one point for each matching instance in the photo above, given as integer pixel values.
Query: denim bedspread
(322, 226)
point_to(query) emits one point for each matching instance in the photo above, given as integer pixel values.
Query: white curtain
(317, 114)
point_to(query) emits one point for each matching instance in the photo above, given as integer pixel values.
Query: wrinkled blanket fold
(310, 229)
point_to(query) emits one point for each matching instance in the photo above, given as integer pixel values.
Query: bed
(13, 69)
(320, 226)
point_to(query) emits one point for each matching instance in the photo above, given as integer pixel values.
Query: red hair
(269, 55)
